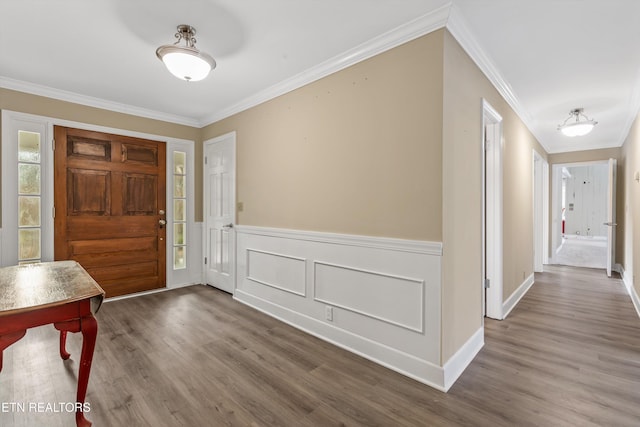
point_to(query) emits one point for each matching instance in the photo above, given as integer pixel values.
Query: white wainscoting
(383, 296)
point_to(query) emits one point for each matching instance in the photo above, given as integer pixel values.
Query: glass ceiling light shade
(186, 62)
(577, 127)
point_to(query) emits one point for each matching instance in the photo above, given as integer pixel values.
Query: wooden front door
(109, 208)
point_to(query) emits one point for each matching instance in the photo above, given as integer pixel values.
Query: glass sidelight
(29, 198)
(179, 210)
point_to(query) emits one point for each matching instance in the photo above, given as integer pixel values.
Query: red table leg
(89, 328)
(63, 341)
(7, 340)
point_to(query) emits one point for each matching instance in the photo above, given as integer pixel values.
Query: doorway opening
(540, 212)
(584, 215)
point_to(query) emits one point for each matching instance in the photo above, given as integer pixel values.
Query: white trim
(633, 110)
(627, 281)
(413, 246)
(409, 31)
(457, 363)
(176, 278)
(459, 28)
(273, 285)
(517, 295)
(413, 367)
(618, 269)
(395, 325)
(493, 197)
(540, 180)
(90, 101)
(12, 123)
(419, 282)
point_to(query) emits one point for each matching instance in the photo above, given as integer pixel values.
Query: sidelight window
(29, 198)
(179, 210)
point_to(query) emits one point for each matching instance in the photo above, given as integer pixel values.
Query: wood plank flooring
(568, 355)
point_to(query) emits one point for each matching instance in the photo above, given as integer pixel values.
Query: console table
(61, 293)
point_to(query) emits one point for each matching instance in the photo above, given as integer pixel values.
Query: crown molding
(459, 28)
(634, 110)
(411, 30)
(62, 95)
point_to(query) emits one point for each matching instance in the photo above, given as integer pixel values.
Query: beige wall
(464, 88)
(630, 155)
(42, 106)
(593, 156)
(357, 152)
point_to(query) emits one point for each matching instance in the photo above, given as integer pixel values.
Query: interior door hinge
(53, 144)
(205, 160)
(53, 212)
(205, 260)
(487, 283)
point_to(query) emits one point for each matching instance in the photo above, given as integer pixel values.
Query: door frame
(229, 138)
(540, 212)
(556, 203)
(492, 247)
(8, 245)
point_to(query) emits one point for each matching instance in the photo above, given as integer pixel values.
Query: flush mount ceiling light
(577, 127)
(186, 62)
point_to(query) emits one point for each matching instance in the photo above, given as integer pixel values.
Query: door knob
(162, 222)
(230, 225)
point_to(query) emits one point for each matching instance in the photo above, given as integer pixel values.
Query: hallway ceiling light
(186, 62)
(577, 127)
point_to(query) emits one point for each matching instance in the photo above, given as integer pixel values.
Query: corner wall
(630, 158)
(464, 88)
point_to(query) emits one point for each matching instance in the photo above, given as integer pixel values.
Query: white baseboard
(456, 365)
(618, 269)
(406, 364)
(515, 297)
(628, 283)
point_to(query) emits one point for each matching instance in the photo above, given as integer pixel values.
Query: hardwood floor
(568, 355)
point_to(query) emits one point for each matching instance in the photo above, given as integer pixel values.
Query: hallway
(579, 251)
(568, 355)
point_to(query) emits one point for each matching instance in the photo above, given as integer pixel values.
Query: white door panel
(220, 205)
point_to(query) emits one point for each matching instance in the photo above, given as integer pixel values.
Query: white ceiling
(546, 56)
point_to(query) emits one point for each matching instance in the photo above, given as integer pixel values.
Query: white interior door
(219, 204)
(611, 217)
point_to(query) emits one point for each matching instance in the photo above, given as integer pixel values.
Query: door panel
(109, 190)
(220, 212)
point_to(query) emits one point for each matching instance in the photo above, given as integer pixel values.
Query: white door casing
(492, 224)
(219, 215)
(611, 217)
(540, 211)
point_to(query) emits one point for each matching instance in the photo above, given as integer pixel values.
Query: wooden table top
(49, 284)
